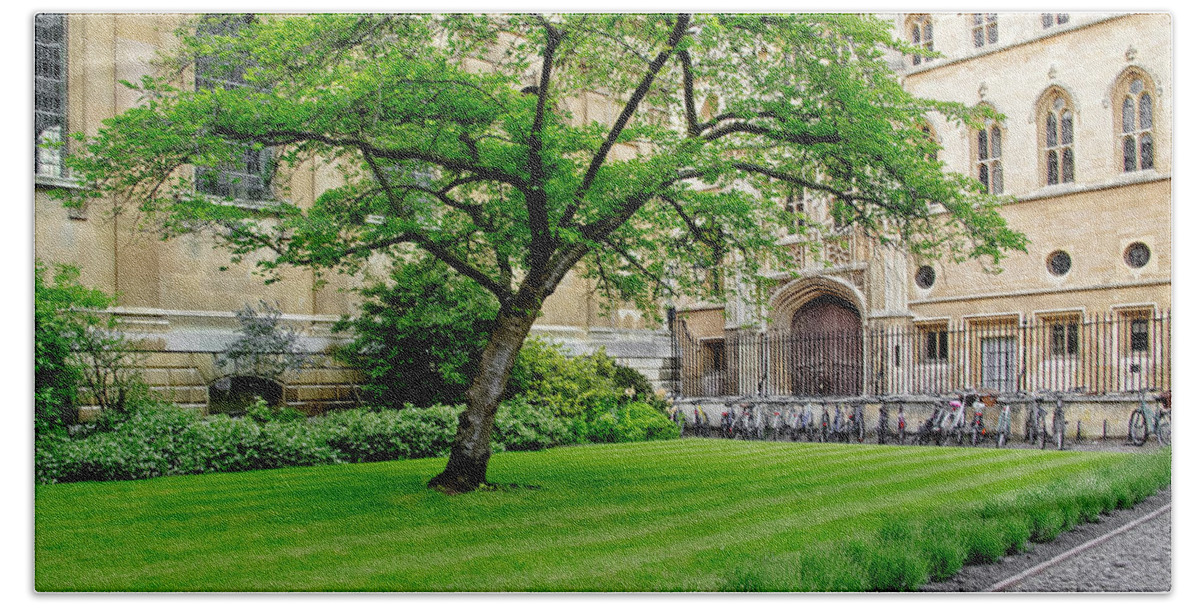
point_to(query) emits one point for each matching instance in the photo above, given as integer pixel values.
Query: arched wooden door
(827, 348)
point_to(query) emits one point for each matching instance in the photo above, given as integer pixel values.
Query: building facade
(174, 296)
(1083, 157)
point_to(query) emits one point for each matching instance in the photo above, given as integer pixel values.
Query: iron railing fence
(1097, 354)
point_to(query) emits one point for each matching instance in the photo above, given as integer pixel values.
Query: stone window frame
(1056, 158)
(1050, 20)
(985, 29)
(918, 29)
(1135, 121)
(987, 153)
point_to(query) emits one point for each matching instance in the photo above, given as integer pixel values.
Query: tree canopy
(642, 150)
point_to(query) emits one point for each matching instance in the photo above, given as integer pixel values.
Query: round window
(1058, 263)
(925, 277)
(1137, 255)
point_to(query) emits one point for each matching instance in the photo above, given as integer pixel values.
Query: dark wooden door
(827, 348)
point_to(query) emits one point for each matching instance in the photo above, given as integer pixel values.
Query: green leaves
(652, 125)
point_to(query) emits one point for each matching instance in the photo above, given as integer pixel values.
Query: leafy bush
(417, 335)
(365, 435)
(264, 347)
(62, 318)
(519, 426)
(586, 386)
(162, 439)
(632, 421)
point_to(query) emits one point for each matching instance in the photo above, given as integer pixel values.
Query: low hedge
(165, 440)
(898, 558)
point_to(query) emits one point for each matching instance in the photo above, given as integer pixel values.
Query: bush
(417, 335)
(365, 435)
(61, 321)
(519, 426)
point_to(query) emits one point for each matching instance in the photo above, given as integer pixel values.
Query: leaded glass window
(988, 153)
(247, 177)
(1059, 142)
(1137, 126)
(985, 29)
(50, 93)
(921, 34)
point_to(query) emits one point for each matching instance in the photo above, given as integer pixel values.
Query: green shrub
(62, 318)
(944, 556)
(519, 426)
(365, 435)
(1046, 522)
(262, 413)
(418, 335)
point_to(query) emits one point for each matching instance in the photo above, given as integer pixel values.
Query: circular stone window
(1137, 255)
(1058, 263)
(925, 277)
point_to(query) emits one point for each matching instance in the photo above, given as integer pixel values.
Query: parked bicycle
(700, 421)
(929, 430)
(826, 430)
(808, 422)
(1004, 422)
(1058, 425)
(1143, 421)
(901, 425)
(856, 423)
(729, 421)
(978, 404)
(776, 423)
(882, 429)
(1035, 423)
(953, 423)
(839, 424)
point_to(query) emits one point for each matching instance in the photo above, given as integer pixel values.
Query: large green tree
(458, 138)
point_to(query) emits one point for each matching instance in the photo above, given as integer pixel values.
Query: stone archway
(827, 347)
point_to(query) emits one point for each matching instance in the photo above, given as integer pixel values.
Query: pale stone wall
(1094, 219)
(173, 294)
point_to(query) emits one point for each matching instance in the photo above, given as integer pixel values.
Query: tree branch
(284, 137)
(535, 199)
(689, 94)
(643, 88)
(752, 129)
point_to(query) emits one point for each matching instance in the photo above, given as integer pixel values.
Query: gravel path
(1138, 560)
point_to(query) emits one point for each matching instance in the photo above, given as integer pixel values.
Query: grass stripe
(659, 515)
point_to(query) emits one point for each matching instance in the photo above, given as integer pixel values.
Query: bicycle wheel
(1138, 431)
(1001, 439)
(861, 429)
(974, 436)
(1163, 429)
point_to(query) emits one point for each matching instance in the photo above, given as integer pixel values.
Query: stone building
(1083, 155)
(173, 295)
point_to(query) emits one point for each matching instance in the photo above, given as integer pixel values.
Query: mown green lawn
(658, 516)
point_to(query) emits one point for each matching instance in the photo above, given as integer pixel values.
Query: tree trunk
(469, 455)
